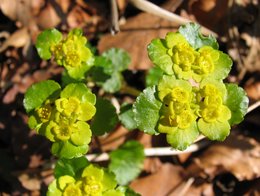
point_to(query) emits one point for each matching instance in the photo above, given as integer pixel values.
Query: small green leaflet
(127, 161)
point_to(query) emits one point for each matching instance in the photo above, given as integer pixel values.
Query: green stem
(130, 90)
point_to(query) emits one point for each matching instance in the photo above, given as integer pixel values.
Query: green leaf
(153, 76)
(146, 111)
(113, 193)
(127, 191)
(105, 118)
(191, 32)
(114, 83)
(182, 138)
(72, 167)
(80, 91)
(126, 116)
(32, 122)
(67, 150)
(127, 161)
(38, 93)
(109, 180)
(222, 67)
(157, 51)
(98, 74)
(83, 135)
(119, 58)
(67, 79)
(79, 72)
(53, 189)
(215, 130)
(45, 40)
(237, 102)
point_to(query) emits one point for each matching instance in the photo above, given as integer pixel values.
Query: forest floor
(231, 167)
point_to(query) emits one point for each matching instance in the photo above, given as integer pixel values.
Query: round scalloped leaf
(38, 93)
(218, 84)
(167, 83)
(105, 118)
(191, 32)
(109, 180)
(146, 111)
(127, 191)
(79, 72)
(153, 76)
(80, 91)
(237, 102)
(67, 150)
(127, 161)
(45, 40)
(119, 60)
(114, 83)
(113, 193)
(173, 39)
(182, 138)
(157, 51)
(83, 134)
(126, 116)
(93, 170)
(72, 167)
(222, 67)
(53, 190)
(214, 131)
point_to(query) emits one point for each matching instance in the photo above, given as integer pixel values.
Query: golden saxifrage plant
(185, 97)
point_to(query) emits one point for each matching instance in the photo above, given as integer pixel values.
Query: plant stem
(130, 90)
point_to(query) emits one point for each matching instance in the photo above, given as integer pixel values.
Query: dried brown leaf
(64, 4)
(160, 183)
(114, 139)
(253, 89)
(17, 10)
(210, 13)
(48, 17)
(18, 39)
(238, 154)
(30, 183)
(136, 34)
(78, 18)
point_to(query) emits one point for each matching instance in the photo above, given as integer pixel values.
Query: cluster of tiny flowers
(72, 52)
(94, 181)
(188, 62)
(64, 119)
(193, 93)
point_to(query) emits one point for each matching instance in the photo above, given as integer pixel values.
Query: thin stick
(114, 17)
(156, 10)
(160, 151)
(253, 107)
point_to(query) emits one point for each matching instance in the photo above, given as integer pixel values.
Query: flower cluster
(191, 110)
(71, 52)
(63, 119)
(197, 64)
(93, 181)
(190, 98)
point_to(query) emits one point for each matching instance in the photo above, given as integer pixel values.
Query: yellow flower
(45, 111)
